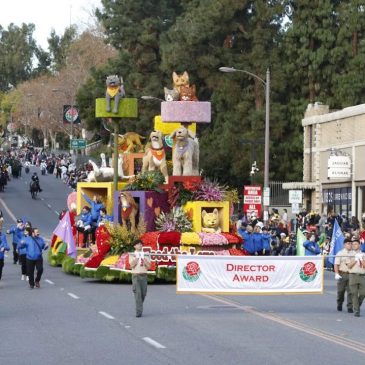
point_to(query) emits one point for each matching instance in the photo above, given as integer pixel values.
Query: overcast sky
(47, 15)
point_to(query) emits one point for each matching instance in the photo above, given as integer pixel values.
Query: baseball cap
(282, 234)
(19, 220)
(355, 239)
(305, 231)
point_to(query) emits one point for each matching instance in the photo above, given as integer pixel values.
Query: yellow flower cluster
(190, 238)
(111, 260)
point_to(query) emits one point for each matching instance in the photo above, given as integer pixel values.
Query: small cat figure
(210, 221)
(171, 95)
(187, 93)
(180, 80)
(114, 90)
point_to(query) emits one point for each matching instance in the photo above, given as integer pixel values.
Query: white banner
(249, 275)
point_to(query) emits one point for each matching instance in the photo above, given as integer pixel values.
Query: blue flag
(336, 242)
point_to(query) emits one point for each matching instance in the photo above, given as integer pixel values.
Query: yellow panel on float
(168, 128)
(104, 189)
(194, 212)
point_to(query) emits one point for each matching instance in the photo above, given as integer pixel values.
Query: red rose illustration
(192, 268)
(309, 268)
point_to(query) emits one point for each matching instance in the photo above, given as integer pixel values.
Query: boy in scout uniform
(342, 276)
(140, 263)
(357, 276)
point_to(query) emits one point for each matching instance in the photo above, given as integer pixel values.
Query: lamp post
(266, 84)
(72, 112)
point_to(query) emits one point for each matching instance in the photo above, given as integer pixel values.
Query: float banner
(249, 275)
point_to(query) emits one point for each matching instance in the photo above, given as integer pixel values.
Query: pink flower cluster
(212, 239)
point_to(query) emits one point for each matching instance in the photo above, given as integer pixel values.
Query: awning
(299, 185)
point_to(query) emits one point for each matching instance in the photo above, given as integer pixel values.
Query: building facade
(333, 160)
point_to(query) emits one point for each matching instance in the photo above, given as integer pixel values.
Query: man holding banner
(357, 276)
(342, 276)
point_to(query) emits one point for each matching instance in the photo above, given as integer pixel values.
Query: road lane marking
(72, 295)
(153, 343)
(56, 212)
(12, 216)
(49, 282)
(331, 337)
(106, 315)
(49, 206)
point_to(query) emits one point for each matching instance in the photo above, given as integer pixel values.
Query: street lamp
(148, 97)
(267, 122)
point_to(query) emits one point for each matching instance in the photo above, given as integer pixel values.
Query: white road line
(73, 295)
(56, 212)
(12, 216)
(42, 198)
(49, 282)
(106, 315)
(153, 343)
(49, 206)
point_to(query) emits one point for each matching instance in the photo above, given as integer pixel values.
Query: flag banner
(300, 240)
(249, 275)
(336, 242)
(64, 232)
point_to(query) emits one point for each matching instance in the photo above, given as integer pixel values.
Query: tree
(17, 49)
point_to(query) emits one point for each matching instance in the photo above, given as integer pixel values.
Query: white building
(335, 183)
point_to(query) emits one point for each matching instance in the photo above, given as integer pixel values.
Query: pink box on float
(186, 111)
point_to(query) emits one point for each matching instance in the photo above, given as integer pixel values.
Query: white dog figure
(102, 174)
(155, 156)
(185, 158)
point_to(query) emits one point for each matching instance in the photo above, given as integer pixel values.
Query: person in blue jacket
(103, 217)
(311, 246)
(246, 234)
(258, 244)
(3, 247)
(266, 239)
(22, 251)
(17, 232)
(85, 224)
(96, 205)
(34, 245)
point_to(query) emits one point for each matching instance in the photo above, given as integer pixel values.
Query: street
(70, 320)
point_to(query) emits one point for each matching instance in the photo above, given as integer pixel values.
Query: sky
(47, 15)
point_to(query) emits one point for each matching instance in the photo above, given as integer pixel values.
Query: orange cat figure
(180, 80)
(187, 93)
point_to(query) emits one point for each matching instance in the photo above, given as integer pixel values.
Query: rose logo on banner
(308, 272)
(191, 271)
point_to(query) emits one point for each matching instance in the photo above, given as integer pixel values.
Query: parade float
(174, 211)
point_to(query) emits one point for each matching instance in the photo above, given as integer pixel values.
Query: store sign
(295, 196)
(252, 200)
(339, 167)
(249, 275)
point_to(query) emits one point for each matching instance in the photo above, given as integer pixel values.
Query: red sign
(252, 199)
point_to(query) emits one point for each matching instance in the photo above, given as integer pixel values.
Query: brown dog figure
(185, 156)
(155, 156)
(128, 210)
(130, 142)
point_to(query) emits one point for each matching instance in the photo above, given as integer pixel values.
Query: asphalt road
(78, 321)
